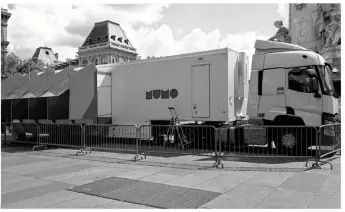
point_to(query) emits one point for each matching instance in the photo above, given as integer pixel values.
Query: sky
(158, 29)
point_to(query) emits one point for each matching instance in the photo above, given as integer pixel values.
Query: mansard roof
(107, 31)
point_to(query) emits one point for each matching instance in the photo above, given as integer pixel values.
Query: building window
(47, 53)
(95, 61)
(120, 40)
(104, 60)
(126, 41)
(113, 37)
(106, 37)
(84, 62)
(300, 77)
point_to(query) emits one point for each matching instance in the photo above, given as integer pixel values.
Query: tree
(29, 65)
(11, 64)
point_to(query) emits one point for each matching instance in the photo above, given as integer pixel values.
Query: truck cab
(290, 85)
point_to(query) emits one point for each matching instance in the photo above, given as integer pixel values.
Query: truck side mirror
(314, 87)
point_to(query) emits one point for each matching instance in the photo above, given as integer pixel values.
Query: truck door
(299, 97)
(201, 91)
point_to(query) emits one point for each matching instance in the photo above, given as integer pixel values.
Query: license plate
(329, 131)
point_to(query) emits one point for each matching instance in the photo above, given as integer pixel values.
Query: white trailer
(209, 86)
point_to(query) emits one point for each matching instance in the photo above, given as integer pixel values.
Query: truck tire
(294, 141)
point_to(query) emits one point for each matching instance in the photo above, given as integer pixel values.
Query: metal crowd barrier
(186, 139)
(110, 137)
(266, 141)
(62, 135)
(329, 143)
(25, 133)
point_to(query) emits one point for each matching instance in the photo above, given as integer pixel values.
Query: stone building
(46, 55)
(5, 16)
(106, 43)
(317, 27)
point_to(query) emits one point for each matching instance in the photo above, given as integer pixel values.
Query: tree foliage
(15, 64)
(11, 65)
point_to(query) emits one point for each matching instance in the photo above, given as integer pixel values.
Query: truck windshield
(325, 74)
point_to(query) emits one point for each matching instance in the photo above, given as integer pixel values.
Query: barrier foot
(219, 162)
(84, 151)
(39, 147)
(140, 155)
(316, 164)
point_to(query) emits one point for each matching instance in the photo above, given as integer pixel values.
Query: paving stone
(237, 176)
(19, 161)
(85, 201)
(332, 185)
(193, 179)
(11, 179)
(139, 192)
(95, 176)
(273, 179)
(224, 202)
(39, 166)
(305, 182)
(192, 199)
(32, 192)
(216, 185)
(44, 200)
(250, 193)
(104, 186)
(286, 198)
(56, 171)
(22, 185)
(326, 201)
(159, 178)
(178, 172)
(122, 205)
(78, 173)
(137, 174)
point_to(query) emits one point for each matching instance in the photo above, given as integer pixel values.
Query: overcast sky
(153, 29)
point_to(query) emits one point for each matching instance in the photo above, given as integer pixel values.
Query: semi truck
(287, 85)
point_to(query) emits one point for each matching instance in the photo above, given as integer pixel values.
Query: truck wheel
(293, 142)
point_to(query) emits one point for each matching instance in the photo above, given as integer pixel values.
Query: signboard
(255, 135)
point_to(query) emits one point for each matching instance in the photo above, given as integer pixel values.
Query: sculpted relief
(328, 27)
(282, 35)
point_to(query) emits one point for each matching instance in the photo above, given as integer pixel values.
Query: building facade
(318, 28)
(5, 16)
(106, 43)
(46, 55)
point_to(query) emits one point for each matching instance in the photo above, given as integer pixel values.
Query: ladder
(175, 125)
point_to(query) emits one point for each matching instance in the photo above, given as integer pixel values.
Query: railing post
(218, 161)
(139, 154)
(83, 148)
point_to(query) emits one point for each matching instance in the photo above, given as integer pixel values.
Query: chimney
(57, 56)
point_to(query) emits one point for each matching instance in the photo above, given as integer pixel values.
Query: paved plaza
(59, 179)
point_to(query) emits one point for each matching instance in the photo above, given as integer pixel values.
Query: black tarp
(58, 106)
(5, 110)
(38, 108)
(20, 109)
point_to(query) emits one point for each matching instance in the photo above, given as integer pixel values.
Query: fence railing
(25, 133)
(185, 139)
(110, 137)
(329, 143)
(313, 143)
